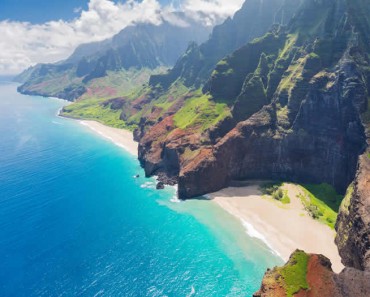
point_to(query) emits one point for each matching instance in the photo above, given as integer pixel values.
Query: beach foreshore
(120, 137)
(282, 227)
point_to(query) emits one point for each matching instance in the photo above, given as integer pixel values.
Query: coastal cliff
(281, 97)
(285, 106)
(314, 136)
(311, 275)
(353, 224)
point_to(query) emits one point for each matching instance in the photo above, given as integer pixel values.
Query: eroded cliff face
(294, 96)
(315, 136)
(253, 20)
(311, 275)
(353, 224)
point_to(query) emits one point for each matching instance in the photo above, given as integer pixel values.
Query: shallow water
(74, 221)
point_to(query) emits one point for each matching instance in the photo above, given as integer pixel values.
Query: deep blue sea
(74, 221)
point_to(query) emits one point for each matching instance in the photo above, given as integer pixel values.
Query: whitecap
(192, 292)
(148, 185)
(207, 196)
(175, 199)
(57, 123)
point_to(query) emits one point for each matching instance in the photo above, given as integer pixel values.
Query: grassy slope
(92, 109)
(128, 84)
(274, 189)
(200, 112)
(161, 102)
(292, 276)
(54, 83)
(120, 83)
(322, 202)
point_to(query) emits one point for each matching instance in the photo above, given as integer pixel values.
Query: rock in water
(160, 186)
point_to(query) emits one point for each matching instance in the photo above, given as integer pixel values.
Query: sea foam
(252, 232)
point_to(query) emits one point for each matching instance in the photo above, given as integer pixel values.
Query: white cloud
(77, 9)
(211, 11)
(23, 44)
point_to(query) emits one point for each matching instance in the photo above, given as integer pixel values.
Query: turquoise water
(73, 221)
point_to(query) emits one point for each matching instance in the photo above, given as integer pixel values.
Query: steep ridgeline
(175, 117)
(353, 224)
(251, 21)
(296, 95)
(309, 275)
(140, 46)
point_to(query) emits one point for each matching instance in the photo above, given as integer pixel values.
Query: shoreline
(120, 137)
(283, 228)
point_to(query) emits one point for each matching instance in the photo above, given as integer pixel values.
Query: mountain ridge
(253, 19)
(139, 46)
(289, 104)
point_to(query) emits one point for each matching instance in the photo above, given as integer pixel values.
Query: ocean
(74, 221)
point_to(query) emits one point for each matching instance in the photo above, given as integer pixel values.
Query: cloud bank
(23, 44)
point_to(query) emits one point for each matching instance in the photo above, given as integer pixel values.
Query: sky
(44, 31)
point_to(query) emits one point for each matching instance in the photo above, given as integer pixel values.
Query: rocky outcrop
(318, 140)
(163, 148)
(311, 275)
(70, 93)
(353, 224)
(295, 97)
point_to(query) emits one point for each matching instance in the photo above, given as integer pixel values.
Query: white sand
(120, 137)
(284, 228)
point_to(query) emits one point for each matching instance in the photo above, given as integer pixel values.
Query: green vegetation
(292, 76)
(200, 113)
(53, 82)
(175, 92)
(92, 106)
(344, 226)
(313, 22)
(252, 99)
(293, 274)
(119, 83)
(276, 191)
(282, 114)
(290, 42)
(163, 101)
(321, 202)
(233, 72)
(344, 207)
(94, 110)
(327, 194)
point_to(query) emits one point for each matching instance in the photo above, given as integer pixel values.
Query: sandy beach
(284, 228)
(120, 137)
